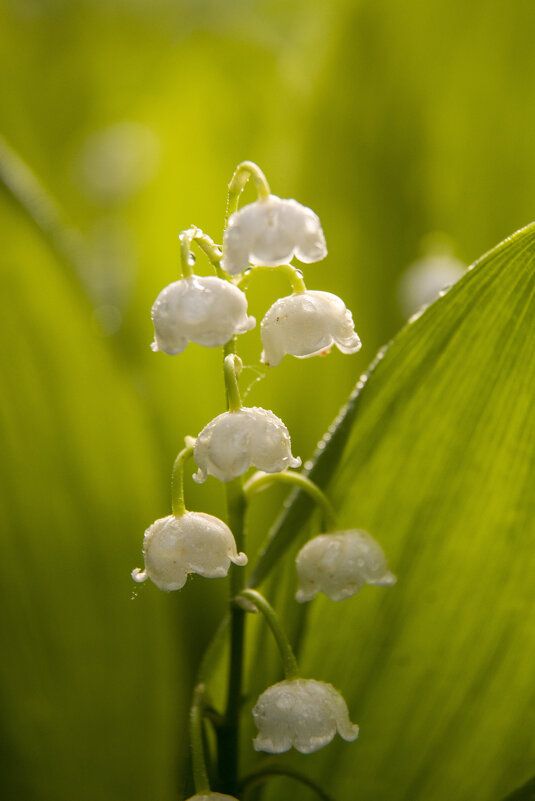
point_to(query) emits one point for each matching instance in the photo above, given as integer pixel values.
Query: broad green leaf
(525, 793)
(439, 466)
(89, 682)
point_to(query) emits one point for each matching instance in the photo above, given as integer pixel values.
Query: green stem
(291, 671)
(210, 250)
(200, 774)
(242, 173)
(229, 734)
(186, 268)
(272, 771)
(293, 275)
(177, 479)
(231, 366)
(260, 480)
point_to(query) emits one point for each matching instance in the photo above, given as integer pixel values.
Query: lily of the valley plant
(211, 311)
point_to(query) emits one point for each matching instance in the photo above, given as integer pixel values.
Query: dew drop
(192, 259)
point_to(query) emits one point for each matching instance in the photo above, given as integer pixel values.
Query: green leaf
(525, 793)
(88, 677)
(439, 466)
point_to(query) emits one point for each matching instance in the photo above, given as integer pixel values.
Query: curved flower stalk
(307, 324)
(339, 564)
(270, 232)
(302, 713)
(206, 310)
(194, 542)
(236, 440)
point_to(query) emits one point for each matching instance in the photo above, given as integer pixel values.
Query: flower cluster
(212, 311)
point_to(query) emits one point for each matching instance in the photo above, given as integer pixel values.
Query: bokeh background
(121, 124)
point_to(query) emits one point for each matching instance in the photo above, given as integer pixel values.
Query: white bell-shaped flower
(307, 324)
(212, 797)
(207, 310)
(233, 441)
(339, 564)
(302, 713)
(270, 232)
(192, 543)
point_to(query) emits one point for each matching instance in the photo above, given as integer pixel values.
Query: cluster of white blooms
(211, 311)
(302, 713)
(339, 564)
(192, 543)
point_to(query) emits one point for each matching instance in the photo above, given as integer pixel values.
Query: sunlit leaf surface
(440, 467)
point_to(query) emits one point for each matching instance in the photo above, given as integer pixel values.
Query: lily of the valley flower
(233, 441)
(307, 324)
(207, 310)
(270, 232)
(302, 713)
(212, 797)
(339, 564)
(192, 543)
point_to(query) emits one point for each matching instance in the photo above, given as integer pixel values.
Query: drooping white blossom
(212, 797)
(207, 310)
(270, 232)
(234, 441)
(302, 713)
(192, 543)
(307, 324)
(339, 564)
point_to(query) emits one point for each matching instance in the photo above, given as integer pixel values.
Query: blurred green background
(121, 123)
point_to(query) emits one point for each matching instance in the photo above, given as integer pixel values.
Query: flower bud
(307, 324)
(233, 441)
(302, 713)
(339, 564)
(270, 232)
(206, 310)
(192, 543)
